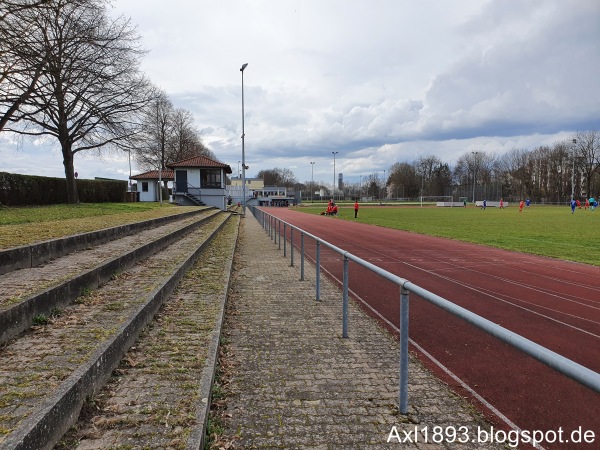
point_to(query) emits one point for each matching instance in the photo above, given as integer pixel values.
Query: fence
(273, 226)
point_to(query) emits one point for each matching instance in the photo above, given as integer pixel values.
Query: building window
(211, 178)
(144, 186)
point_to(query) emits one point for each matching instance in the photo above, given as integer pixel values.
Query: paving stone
(296, 383)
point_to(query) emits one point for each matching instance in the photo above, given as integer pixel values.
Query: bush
(27, 190)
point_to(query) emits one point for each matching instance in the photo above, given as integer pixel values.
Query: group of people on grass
(590, 203)
(521, 204)
(332, 209)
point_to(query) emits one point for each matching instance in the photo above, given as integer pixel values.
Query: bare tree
(513, 165)
(403, 176)
(90, 91)
(587, 156)
(278, 177)
(21, 63)
(157, 128)
(8, 7)
(436, 175)
(185, 141)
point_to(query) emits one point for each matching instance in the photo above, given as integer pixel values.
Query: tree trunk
(72, 195)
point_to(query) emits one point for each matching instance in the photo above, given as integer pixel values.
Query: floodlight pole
(312, 180)
(243, 149)
(474, 175)
(573, 172)
(333, 191)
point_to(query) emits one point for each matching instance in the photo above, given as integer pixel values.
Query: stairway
(127, 330)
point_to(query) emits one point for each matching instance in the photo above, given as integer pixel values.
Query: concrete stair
(152, 300)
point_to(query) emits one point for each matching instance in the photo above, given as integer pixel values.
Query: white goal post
(439, 200)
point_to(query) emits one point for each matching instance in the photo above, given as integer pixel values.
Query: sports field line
(553, 243)
(465, 285)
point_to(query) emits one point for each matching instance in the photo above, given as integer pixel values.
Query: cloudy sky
(379, 81)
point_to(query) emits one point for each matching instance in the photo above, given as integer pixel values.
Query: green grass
(26, 225)
(541, 230)
(36, 214)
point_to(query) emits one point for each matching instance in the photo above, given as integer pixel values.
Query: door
(181, 181)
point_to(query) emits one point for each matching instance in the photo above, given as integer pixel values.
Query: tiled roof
(200, 161)
(153, 175)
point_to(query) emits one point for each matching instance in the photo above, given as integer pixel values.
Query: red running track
(551, 302)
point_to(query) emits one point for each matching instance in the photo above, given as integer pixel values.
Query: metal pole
(573, 172)
(243, 148)
(333, 192)
(312, 180)
(403, 392)
(318, 274)
(291, 247)
(345, 300)
(284, 240)
(279, 233)
(301, 256)
(476, 165)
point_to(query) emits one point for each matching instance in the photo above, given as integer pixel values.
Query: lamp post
(312, 180)
(333, 192)
(243, 149)
(573, 172)
(474, 174)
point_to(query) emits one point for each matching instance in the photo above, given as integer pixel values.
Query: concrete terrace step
(159, 395)
(38, 253)
(47, 373)
(28, 293)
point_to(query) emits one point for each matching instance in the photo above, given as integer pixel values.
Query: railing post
(345, 299)
(318, 274)
(284, 240)
(279, 233)
(301, 256)
(403, 394)
(291, 246)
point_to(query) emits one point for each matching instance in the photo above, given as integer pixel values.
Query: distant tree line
(71, 73)
(544, 174)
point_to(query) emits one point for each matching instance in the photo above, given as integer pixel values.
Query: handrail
(191, 190)
(571, 369)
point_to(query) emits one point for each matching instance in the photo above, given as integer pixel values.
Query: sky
(378, 81)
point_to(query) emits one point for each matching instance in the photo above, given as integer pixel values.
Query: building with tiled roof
(200, 181)
(200, 161)
(166, 174)
(196, 181)
(148, 182)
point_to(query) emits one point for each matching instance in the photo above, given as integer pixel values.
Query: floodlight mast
(243, 148)
(333, 191)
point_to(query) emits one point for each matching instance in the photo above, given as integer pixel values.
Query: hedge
(26, 190)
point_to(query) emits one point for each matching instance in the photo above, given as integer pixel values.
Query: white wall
(149, 196)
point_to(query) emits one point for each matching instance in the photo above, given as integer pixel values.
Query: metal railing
(273, 226)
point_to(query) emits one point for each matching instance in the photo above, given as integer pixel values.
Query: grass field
(20, 226)
(542, 230)
(550, 231)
